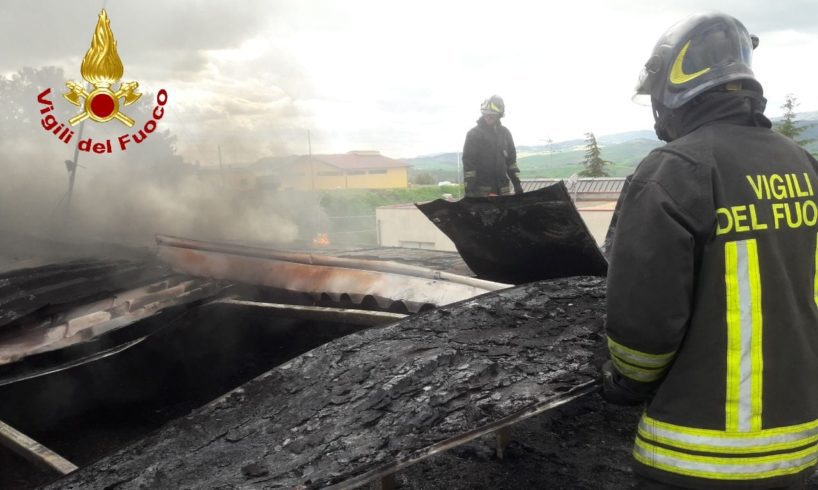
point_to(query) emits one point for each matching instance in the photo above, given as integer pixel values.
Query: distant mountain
(611, 139)
(556, 159)
(563, 158)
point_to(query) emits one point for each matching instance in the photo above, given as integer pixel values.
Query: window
(330, 174)
(379, 171)
(356, 172)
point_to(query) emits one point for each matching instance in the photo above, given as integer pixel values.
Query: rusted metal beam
(33, 451)
(337, 278)
(327, 260)
(318, 313)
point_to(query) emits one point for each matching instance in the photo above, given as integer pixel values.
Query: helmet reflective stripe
(699, 53)
(677, 75)
(494, 105)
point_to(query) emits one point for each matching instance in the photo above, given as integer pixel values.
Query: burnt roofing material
(374, 397)
(521, 238)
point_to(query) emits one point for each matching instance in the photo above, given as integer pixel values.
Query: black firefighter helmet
(697, 54)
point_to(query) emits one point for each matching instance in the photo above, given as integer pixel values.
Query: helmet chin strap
(662, 117)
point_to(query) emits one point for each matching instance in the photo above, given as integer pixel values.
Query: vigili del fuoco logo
(102, 68)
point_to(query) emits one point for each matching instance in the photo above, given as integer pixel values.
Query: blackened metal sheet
(521, 238)
(44, 290)
(368, 400)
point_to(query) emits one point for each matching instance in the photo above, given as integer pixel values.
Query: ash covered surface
(370, 398)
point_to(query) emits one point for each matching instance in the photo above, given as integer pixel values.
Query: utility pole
(71, 165)
(309, 153)
(459, 175)
(221, 167)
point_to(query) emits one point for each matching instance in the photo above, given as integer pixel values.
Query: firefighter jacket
(489, 160)
(713, 303)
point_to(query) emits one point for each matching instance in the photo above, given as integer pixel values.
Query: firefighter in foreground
(489, 156)
(713, 280)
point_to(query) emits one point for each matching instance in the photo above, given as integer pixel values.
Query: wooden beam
(387, 482)
(502, 437)
(33, 451)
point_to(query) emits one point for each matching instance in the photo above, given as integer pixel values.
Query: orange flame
(102, 65)
(321, 240)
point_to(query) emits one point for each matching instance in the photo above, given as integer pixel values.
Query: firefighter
(489, 157)
(713, 280)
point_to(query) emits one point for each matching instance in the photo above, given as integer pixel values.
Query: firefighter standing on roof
(713, 279)
(489, 157)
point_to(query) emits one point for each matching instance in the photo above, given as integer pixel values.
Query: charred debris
(222, 365)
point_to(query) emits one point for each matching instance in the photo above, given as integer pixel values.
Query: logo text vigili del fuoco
(102, 68)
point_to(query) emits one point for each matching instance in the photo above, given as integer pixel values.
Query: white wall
(408, 227)
(597, 221)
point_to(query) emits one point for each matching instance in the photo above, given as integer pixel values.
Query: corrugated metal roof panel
(589, 185)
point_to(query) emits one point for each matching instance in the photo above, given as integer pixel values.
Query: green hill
(564, 158)
(557, 160)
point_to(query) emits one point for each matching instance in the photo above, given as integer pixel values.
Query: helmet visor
(641, 94)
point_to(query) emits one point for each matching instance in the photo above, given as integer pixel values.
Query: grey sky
(406, 78)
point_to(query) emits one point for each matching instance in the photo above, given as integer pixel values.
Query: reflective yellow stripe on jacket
(744, 333)
(639, 366)
(734, 468)
(724, 442)
(815, 284)
(794, 449)
(743, 450)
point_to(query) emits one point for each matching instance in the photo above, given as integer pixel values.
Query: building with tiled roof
(353, 170)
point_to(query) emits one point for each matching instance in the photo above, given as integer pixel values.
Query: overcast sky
(406, 78)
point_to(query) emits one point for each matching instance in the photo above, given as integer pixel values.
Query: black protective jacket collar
(485, 127)
(744, 108)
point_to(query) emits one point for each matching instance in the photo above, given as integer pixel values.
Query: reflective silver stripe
(637, 373)
(746, 365)
(726, 468)
(720, 441)
(642, 359)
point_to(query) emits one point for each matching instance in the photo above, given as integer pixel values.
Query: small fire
(321, 240)
(102, 66)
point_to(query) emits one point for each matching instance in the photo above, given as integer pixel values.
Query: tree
(594, 164)
(788, 126)
(424, 178)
